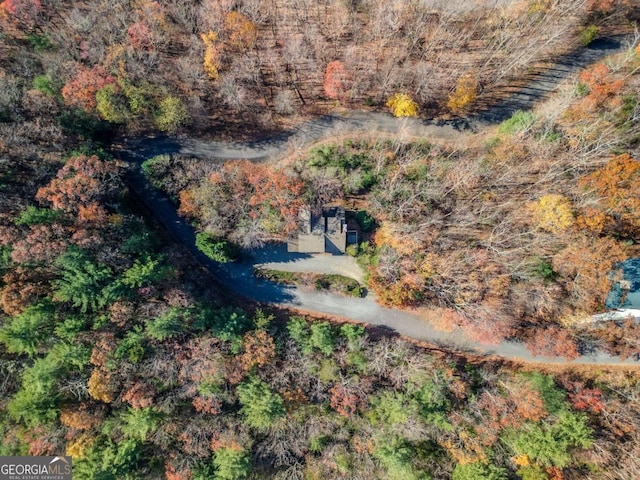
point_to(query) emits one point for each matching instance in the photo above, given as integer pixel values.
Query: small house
(321, 232)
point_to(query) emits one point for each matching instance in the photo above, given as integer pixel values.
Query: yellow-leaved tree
(553, 213)
(212, 51)
(402, 105)
(464, 95)
(78, 447)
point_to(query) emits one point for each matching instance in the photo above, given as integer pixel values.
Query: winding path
(239, 277)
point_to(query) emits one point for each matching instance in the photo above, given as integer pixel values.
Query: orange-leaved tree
(585, 266)
(240, 30)
(335, 78)
(602, 86)
(81, 90)
(618, 184)
(81, 182)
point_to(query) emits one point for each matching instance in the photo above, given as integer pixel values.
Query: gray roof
(320, 233)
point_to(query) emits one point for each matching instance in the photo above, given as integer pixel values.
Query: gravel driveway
(275, 257)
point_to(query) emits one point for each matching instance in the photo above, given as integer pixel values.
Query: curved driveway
(239, 278)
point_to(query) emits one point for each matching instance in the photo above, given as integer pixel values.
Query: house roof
(320, 233)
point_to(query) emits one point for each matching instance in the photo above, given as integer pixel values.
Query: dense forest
(119, 349)
(115, 353)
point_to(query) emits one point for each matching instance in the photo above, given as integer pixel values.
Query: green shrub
(322, 283)
(352, 250)
(230, 324)
(581, 89)
(140, 243)
(36, 403)
(322, 337)
(40, 43)
(44, 84)
(551, 444)
(352, 332)
(396, 455)
(5, 257)
(27, 332)
(84, 124)
(83, 283)
(366, 221)
(171, 114)
(318, 443)
(132, 346)
(231, 463)
(346, 285)
(146, 272)
(532, 472)
(138, 423)
(37, 216)
(475, 471)
(260, 406)
(155, 169)
(543, 269)
(166, 326)
(277, 276)
(298, 329)
(217, 249)
(520, 121)
(390, 408)
(138, 97)
(112, 105)
(310, 337)
(588, 35)
(70, 327)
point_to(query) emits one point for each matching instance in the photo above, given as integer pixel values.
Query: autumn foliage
(464, 95)
(212, 54)
(240, 30)
(602, 86)
(82, 89)
(345, 401)
(22, 12)
(82, 181)
(553, 213)
(402, 105)
(80, 417)
(553, 342)
(140, 36)
(335, 79)
(250, 199)
(586, 265)
(259, 350)
(99, 386)
(618, 184)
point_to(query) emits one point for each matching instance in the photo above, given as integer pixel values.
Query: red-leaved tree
(24, 13)
(140, 36)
